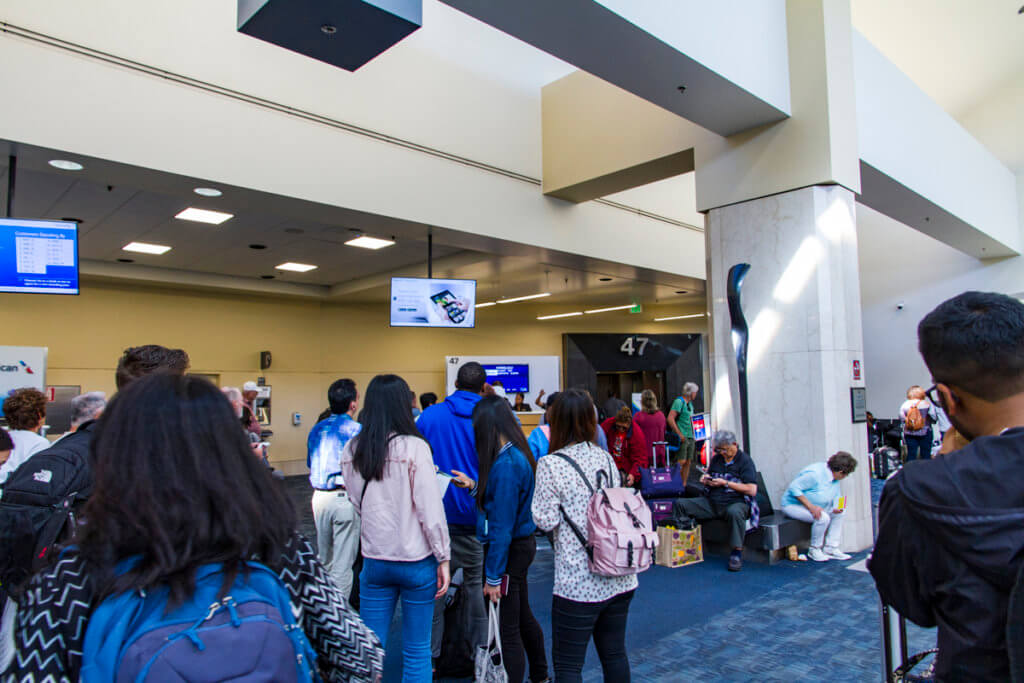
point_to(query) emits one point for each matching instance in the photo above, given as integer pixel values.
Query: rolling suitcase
(661, 508)
(884, 461)
(661, 482)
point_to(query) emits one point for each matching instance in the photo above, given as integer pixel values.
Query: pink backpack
(620, 536)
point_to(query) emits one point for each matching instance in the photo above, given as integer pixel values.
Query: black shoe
(735, 561)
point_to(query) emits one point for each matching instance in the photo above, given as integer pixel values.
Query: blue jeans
(918, 447)
(380, 585)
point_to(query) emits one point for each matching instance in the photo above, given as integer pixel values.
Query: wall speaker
(265, 360)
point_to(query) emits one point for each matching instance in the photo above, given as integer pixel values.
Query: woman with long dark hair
(505, 526)
(176, 493)
(584, 605)
(392, 481)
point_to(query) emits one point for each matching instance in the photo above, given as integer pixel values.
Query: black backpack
(38, 504)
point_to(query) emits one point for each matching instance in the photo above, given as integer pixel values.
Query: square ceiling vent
(345, 33)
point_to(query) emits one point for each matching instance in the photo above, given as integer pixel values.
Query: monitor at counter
(38, 256)
(514, 378)
(426, 302)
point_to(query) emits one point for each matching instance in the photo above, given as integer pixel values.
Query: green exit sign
(637, 308)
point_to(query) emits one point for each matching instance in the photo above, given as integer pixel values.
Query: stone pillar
(801, 299)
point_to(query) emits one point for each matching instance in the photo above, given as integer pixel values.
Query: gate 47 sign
(634, 345)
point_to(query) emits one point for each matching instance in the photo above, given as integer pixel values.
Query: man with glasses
(731, 480)
(951, 529)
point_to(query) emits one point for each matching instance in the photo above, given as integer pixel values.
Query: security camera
(899, 306)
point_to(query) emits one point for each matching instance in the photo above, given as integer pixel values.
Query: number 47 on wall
(634, 345)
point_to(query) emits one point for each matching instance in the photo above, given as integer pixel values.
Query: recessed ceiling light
(257, 246)
(680, 317)
(486, 304)
(605, 279)
(146, 248)
(126, 260)
(296, 267)
(204, 216)
(559, 315)
(267, 277)
(65, 165)
(524, 298)
(207, 192)
(369, 242)
(613, 308)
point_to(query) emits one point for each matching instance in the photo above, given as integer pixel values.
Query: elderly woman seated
(814, 497)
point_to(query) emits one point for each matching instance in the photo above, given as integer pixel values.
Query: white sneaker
(837, 554)
(817, 554)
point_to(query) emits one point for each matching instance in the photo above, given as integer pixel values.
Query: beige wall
(312, 343)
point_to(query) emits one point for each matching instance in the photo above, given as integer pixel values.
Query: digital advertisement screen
(38, 257)
(700, 426)
(424, 302)
(514, 378)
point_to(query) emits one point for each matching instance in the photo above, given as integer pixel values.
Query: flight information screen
(38, 257)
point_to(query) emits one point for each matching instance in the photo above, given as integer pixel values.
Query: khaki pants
(337, 535)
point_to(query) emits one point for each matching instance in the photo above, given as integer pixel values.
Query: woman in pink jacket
(392, 481)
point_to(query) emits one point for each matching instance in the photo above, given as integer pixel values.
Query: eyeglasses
(934, 396)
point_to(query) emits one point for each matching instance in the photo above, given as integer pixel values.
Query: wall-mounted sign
(856, 370)
(859, 404)
(700, 426)
(21, 367)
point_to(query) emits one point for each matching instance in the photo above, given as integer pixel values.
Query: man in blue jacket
(448, 426)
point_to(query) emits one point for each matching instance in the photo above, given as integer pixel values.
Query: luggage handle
(654, 453)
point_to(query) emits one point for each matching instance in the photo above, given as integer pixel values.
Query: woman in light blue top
(813, 497)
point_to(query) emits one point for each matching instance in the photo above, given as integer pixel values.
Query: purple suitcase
(660, 509)
(661, 482)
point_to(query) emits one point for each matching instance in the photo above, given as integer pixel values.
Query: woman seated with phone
(505, 526)
(815, 497)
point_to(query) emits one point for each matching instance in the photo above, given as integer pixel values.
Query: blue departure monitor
(38, 257)
(514, 377)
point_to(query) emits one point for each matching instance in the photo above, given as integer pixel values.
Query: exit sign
(637, 308)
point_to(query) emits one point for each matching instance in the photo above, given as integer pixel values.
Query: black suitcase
(884, 461)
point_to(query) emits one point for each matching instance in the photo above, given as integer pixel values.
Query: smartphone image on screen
(450, 304)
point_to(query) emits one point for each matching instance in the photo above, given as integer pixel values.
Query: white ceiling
(116, 204)
(957, 51)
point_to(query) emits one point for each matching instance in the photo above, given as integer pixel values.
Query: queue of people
(413, 500)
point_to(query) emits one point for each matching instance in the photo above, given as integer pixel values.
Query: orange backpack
(915, 420)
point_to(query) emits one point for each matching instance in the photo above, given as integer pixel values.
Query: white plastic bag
(490, 664)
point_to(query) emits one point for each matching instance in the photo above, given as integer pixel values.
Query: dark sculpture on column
(740, 332)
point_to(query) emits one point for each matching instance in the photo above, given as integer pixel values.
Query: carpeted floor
(796, 621)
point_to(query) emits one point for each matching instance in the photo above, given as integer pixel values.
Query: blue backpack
(249, 634)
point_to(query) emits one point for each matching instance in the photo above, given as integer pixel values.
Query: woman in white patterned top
(584, 604)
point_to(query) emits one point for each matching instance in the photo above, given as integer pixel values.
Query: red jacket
(635, 453)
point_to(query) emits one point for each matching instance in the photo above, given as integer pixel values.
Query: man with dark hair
(951, 529)
(814, 496)
(25, 412)
(139, 361)
(427, 399)
(448, 427)
(337, 522)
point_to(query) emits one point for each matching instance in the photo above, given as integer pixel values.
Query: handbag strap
(565, 516)
(900, 674)
(494, 627)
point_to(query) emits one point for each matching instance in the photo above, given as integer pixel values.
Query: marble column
(801, 299)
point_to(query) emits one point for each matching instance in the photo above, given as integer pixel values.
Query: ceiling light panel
(146, 248)
(207, 192)
(680, 317)
(296, 267)
(560, 315)
(524, 298)
(486, 304)
(204, 216)
(365, 242)
(605, 310)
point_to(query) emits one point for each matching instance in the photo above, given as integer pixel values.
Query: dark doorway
(625, 384)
